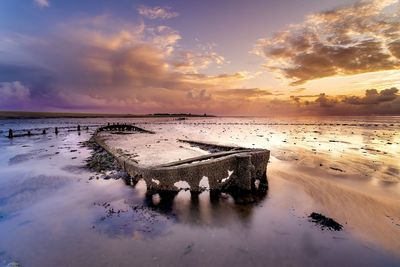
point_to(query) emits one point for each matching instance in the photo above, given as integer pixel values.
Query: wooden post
(10, 133)
(56, 130)
(79, 128)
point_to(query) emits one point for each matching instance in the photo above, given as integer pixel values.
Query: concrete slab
(165, 162)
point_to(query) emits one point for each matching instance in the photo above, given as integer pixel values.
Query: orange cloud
(384, 102)
(372, 96)
(93, 64)
(355, 39)
(103, 64)
(193, 62)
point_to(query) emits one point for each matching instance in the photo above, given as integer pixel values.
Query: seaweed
(325, 222)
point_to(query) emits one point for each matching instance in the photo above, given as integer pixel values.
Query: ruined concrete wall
(248, 165)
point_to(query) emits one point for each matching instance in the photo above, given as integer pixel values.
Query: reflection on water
(53, 212)
(211, 208)
(151, 214)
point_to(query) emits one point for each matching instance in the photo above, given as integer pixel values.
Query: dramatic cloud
(110, 64)
(42, 3)
(157, 12)
(360, 38)
(385, 102)
(372, 96)
(91, 64)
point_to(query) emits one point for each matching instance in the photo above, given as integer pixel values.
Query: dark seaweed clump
(325, 222)
(100, 160)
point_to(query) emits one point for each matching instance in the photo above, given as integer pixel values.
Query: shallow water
(54, 212)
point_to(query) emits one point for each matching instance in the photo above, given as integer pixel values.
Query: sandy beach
(350, 171)
(66, 213)
(199, 133)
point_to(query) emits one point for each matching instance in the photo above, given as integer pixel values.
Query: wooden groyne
(43, 131)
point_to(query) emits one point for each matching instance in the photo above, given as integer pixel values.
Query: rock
(325, 222)
(100, 160)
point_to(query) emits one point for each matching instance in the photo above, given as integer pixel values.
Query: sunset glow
(199, 133)
(225, 58)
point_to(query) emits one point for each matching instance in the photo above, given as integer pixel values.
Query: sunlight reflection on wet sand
(53, 213)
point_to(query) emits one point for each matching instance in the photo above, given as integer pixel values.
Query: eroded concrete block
(227, 167)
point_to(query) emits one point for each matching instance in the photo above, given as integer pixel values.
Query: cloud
(228, 94)
(42, 3)
(350, 40)
(325, 101)
(157, 12)
(193, 62)
(372, 96)
(244, 93)
(201, 95)
(94, 64)
(12, 93)
(102, 63)
(384, 102)
(298, 90)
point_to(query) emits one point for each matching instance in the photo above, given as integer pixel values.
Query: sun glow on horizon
(165, 59)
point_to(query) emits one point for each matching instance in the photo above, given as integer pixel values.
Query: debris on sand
(188, 249)
(336, 169)
(103, 163)
(100, 160)
(325, 222)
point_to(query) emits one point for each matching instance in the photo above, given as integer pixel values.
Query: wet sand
(54, 211)
(151, 149)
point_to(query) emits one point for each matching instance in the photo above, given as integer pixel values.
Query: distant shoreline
(47, 115)
(82, 115)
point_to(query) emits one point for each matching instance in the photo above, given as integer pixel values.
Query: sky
(225, 57)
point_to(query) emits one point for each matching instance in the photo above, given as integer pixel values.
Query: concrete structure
(229, 168)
